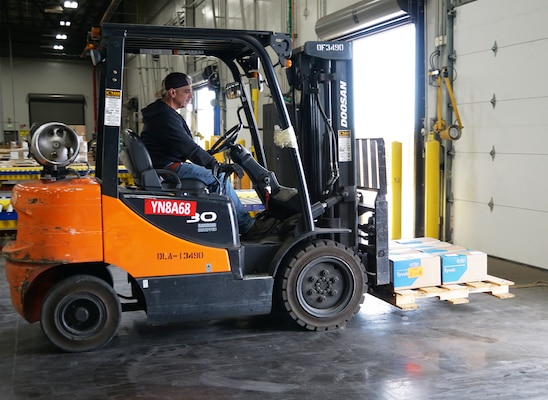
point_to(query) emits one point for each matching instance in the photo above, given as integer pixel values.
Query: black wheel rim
(325, 286)
(81, 316)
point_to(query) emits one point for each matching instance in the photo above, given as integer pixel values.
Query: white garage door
(501, 199)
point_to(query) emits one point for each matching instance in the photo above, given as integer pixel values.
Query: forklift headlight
(54, 144)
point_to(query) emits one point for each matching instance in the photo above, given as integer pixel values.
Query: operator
(169, 141)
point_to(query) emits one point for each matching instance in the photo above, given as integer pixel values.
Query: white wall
(19, 77)
(517, 226)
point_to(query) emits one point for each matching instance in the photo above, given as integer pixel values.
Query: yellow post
(245, 182)
(255, 100)
(396, 189)
(432, 188)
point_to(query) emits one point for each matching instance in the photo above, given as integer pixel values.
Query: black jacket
(168, 138)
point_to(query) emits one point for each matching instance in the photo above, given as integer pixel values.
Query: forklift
(177, 242)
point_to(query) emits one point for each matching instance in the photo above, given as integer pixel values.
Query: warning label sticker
(113, 107)
(345, 146)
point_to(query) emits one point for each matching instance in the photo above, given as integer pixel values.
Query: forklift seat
(135, 157)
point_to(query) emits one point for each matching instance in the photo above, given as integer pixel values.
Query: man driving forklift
(168, 139)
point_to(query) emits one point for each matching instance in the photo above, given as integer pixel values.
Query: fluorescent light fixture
(64, 23)
(54, 10)
(58, 47)
(61, 36)
(70, 4)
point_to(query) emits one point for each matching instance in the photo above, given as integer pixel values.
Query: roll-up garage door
(364, 17)
(500, 189)
(66, 108)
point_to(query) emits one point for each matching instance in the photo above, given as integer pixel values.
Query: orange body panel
(144, 250)
(69, 221)
(18, 276)
(57, 222)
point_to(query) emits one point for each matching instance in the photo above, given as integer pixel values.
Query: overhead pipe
(360, 16)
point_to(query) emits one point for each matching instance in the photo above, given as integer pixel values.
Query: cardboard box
(403, 250)
(392, 244)
(441, 249)
(415, 270)
(79, 129)
(19, 154)
(463, 266)
(420, 241)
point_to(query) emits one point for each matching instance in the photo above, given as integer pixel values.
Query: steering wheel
(226, 141)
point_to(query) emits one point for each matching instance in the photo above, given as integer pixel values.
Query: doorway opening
(384, 105)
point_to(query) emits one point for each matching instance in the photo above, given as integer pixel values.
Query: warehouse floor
(489, 348)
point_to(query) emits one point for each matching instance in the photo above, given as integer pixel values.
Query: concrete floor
(486, 349)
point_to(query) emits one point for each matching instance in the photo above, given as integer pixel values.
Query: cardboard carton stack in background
(19, 153)
(423, 262)
(82, 136)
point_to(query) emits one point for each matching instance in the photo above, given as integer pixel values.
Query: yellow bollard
(396, 189)
(432, 189)
(245, 182)
(255, 100)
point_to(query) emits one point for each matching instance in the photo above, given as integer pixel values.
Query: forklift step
(454, 293)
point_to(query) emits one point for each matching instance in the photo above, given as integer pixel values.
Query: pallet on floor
(454, 293)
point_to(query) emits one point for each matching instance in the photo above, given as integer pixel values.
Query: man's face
(182, 96)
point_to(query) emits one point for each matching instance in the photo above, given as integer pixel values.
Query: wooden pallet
(454, 294)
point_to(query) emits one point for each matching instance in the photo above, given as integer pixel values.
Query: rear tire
(322, 285)
(80, 313)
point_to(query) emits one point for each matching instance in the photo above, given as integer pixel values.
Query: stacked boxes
(424, 262)
(19, 153)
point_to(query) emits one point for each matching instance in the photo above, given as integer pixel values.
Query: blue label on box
(434, 250)
(406, 272)
(453, 267)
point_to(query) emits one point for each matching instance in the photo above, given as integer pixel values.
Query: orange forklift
(178, 243)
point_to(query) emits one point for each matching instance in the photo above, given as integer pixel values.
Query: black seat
(135, 157)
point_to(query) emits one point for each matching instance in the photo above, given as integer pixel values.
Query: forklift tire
(80, 313)
(322, 285)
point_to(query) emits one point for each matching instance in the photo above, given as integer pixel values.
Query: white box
(420, 241)
(439, 250)
(19, 154)
(415, 270)
(463, 266)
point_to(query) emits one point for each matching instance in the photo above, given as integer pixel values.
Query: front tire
(80, 313)
(322, 285)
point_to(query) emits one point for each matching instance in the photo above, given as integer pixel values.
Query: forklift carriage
(179, 244)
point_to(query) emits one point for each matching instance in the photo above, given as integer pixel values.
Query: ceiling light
(58, 47)
(61, 36)
(70, 4)
(54, 10)
(64, 23)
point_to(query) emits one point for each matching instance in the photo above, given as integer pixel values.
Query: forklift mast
(325, 118)
(335, 162)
